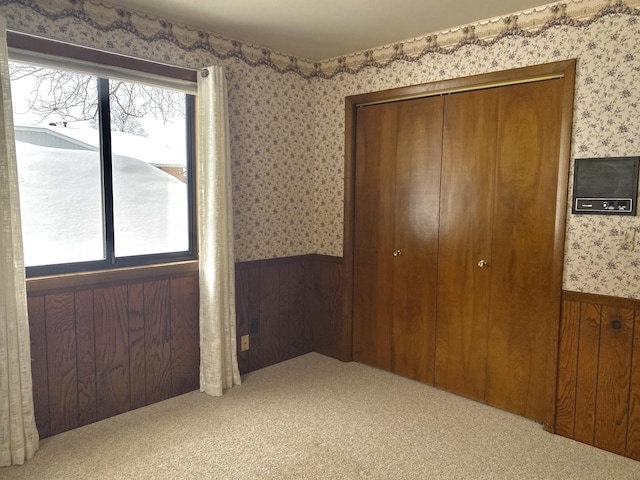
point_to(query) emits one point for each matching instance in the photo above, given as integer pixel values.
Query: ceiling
(322, 29)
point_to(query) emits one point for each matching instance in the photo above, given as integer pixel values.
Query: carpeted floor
(317, 418)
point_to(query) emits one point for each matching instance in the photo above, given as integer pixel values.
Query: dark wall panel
(185, 345)
(100, 351)
(39, 366)
(137, 365)
(598, 376)
(61, 361)
(112, 351)
(85, 338)
(157, 340)
(103, 351)
(295, 306)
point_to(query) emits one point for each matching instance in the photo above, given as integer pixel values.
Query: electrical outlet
(244, 343)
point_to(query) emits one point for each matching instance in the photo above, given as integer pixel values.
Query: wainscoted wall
(102, 350)
(97, 352)
(289, 307)
(598, 396)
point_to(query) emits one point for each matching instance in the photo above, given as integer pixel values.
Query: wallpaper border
(530, 23)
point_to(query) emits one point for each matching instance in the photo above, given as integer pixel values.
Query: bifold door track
(468, 88)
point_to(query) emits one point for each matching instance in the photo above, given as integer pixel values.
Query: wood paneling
(111, 322)
(100, 351)
(296, 304)
(185, 344)
(85, 335)
(61, 360)
(567, 369)
(137, 360)
(587, 373)
(157, 340)
(633, 436)
(599, 373)
(332, 335)
(103, 351)
(614, 375)
(39, 365)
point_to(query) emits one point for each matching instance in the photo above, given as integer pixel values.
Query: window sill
(84, 280)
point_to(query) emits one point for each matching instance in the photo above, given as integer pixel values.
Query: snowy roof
(125, 144)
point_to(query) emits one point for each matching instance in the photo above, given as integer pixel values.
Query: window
(105, 167)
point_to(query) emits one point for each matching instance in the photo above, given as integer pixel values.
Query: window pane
(58, 152)
(149, 159)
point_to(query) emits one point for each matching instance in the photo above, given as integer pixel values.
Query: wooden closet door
(374, 226)
(398, 158)
(526, 258)
(468, 170)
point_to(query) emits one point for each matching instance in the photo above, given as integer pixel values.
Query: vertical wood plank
(567, 369)
(270, 324)
(242, 316)
(283, 315)
(254, 294)
(331, 335)
(61, 359)
(185, 340)
(39, 366)
(87, 405)
(112, 351)
(137, 365)
(297, 313)
(157, 314)
(614, 376)
(589, 344)
(633, 429)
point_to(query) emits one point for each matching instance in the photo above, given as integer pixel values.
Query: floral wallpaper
(287, 113)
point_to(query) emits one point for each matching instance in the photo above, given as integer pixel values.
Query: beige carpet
(317, 418)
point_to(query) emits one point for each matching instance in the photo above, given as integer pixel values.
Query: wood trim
(604, 300)
(272, 262)
(351, 107)
(473, 82)
(83, 280)
(59, 49)
(101, 278)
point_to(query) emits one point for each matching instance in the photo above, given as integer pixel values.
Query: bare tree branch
(73, 97)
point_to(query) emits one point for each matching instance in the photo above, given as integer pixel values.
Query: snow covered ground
(61, 206)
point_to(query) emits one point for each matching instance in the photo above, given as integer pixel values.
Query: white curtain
(18, 434)
(218, 355)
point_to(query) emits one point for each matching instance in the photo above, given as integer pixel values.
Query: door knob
(482, 263)
(397, 253)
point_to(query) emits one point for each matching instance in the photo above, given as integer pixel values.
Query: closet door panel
(469, 148)
(525, 303)
(376, 139)
(418, 162)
